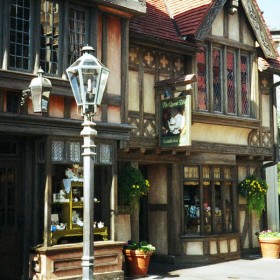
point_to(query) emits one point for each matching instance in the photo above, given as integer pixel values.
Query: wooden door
(10, 220)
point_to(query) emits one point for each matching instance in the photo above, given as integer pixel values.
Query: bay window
(223, 81)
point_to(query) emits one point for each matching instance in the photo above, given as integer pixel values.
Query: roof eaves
(210, 16)
(260, 28)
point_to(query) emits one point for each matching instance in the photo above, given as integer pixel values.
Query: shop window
(67, 206)
(208, 199)
(229, 91)
(66, 151)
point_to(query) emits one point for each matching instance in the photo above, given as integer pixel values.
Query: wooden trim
(104, 59)
(260, 30)
(230, 43)
(60, 127)
(209, 18)
(35, 37)
(5, 38)
(3, 14)
(158, 207)
(141, 40)
(224, 120)
(124, 69)
(65, 43)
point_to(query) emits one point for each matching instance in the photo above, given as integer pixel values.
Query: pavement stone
(255, 268)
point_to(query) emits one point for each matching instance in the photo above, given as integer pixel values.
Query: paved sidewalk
(243, 269)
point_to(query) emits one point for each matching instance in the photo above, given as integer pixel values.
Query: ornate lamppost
(88, 79)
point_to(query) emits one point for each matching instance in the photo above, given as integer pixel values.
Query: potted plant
(254, 190)
(269, 243)
(137, 257)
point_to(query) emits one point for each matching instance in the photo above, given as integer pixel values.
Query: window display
(208, 199)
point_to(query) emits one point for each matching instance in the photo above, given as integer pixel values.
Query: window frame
(34, 51)
(237, 111)
(200, 181)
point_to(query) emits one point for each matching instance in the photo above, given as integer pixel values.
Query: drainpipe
(272, 215)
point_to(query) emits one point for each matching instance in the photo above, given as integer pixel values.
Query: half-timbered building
(190, 101)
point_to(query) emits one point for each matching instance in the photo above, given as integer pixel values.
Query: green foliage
(268, 234)
(133, 184)
(254, 190)
(143, 246)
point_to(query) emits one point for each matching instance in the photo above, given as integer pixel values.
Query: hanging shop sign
(175, 122)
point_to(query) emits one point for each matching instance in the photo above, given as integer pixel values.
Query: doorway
(10, 221)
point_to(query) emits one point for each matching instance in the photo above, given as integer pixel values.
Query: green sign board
(175, 121)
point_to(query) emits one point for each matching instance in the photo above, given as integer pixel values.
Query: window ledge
(204, 117)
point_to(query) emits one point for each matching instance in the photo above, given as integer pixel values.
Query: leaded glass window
(231, 82)
(58, 151)
(229, 75)
(245, 85)
(217, 80)
(105, 153)
(77, 33)
(75, 151)
(49, 36)
(19, 34)
(202, 93)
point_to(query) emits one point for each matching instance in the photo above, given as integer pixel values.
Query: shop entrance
(10, 221)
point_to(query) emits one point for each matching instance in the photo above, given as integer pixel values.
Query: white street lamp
(88, 78)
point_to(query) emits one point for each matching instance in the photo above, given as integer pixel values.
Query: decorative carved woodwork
(208, 20)
(259, 29)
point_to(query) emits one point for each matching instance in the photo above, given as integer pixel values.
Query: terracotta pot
(137, 263)
(270, 247)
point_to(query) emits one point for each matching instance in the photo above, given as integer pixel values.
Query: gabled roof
(156, 23)
(185, 21)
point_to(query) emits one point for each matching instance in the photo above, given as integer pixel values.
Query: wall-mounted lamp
(39, 91)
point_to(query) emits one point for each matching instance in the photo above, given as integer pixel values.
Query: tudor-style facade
(193, 212)
(200, 54)
(36, 149)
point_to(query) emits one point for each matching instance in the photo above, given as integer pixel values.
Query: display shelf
(67, 207)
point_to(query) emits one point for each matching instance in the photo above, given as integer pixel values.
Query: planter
(137, 263)
(270, 247)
